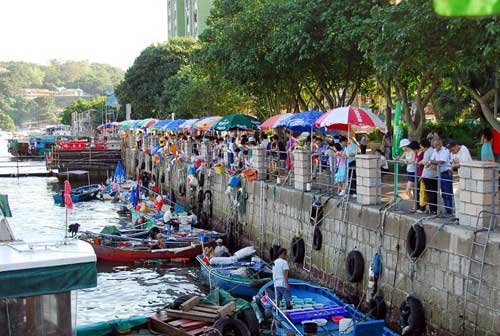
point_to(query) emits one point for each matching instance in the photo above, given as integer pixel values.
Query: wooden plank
(207, 305)
(195, 332)
(164, 328)
(179, 322)
(205, 309)
(190, 303)
(227, 309)
(194, 325)
(197, 316)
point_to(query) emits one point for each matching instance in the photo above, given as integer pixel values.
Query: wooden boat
(225, 277)
(318, 306)
(178, 246)
(216, 314)
(82, 194)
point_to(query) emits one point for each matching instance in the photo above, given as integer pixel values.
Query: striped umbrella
(206, 123)
(356, 118)
(274, 120)
(188, 124)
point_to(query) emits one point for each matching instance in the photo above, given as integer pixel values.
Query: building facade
(187, 18)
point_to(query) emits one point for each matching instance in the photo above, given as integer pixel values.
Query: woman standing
(408, 158)
(487, 148)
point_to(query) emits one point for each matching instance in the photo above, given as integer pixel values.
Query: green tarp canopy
(105, 328)
(467, 7)
(4, 205)
(111, 230)
(220, 297)
(47, 280)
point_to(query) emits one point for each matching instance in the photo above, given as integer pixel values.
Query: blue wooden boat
(312, 304)
(223, 276)
(82, 194)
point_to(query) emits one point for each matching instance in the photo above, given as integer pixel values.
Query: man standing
(441, 158)
(280, 278)
(459, 154)
(363, 143)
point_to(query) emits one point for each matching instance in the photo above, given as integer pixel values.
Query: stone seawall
(275, 214)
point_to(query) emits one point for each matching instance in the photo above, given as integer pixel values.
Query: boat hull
(237, 286)
(117, 254)
(82, 194)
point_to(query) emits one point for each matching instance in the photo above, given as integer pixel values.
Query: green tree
(6, 122)
(144, 82)
(46, 108)
(80, 105)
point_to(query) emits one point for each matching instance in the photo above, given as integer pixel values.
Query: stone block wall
(275, 214)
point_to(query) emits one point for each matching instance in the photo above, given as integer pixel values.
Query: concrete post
(301, 169)
(206, 153)
(259, 161)
(476, 192)
(188, 149)
(367, 179)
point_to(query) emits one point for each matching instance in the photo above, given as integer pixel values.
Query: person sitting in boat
(193, 219)
(140, 222)
(220, 249)
(280, 278)
(209, 252)
(160, 243)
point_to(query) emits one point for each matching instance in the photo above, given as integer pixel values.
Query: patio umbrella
(274, 120)
(127, 124)
(206, 124)
(236, 121)
(356, 118)
(188, 124)
(149, 123)
(160, 124)
(300, 122)
(174, 125)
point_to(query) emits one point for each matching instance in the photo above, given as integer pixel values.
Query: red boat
(127, 252)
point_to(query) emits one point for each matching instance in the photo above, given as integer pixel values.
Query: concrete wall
(277, 214)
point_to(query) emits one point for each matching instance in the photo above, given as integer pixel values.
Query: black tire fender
(415, 241)
(180, 300)
(412, 317)
(378, 308)
(182, 189)
(208, 198)
(298, 249)
(317, 239)
(228, 326)
(201, 178)
(355, 266)
(273, 252)
(248, 317)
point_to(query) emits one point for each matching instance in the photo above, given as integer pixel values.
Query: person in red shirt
(496, 144)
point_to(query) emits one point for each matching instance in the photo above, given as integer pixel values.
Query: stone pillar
(259, 161)
(367, 179)
(206, 153)
(188, 149)
(301, 169)
(476, 192)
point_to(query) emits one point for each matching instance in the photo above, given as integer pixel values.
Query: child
(384, 166)
(341, 172)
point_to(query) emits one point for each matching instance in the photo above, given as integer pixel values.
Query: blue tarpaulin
(119, 175)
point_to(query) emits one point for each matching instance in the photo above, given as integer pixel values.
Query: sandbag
(223, 260)
(245, 252)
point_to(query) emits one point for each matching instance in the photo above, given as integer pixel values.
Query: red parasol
(68, 202)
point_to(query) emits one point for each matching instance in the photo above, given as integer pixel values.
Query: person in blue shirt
(351, 148)
(319, 156)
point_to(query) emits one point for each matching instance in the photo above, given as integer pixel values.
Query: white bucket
(346, 327)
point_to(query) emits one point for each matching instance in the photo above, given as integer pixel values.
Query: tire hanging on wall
(201, 178)
(273, 252)
(317, 239)
(208, 199)
(415, 241)
(378, 308)
(182, 189)
(316, 213)
(298, 249)
(412, 317)
(355, 266)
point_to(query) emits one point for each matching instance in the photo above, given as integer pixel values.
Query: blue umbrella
(300, 122)
(119, 175)
(162, 123)
(174, 125)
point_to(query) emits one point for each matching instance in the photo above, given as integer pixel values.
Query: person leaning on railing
(429, 176)
(441, 159)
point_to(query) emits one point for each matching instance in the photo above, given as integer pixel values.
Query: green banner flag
(396, 136)
(467, 7)
(4, 205)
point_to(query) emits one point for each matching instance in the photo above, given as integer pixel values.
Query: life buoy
(298, 249)
(162, 178)
(201, 197)
(273, 252)
(355, 266)
(378, 308)
(415, 241)
(228, 326)
(317, 239)
(248, 317)
(208, 199)
(412, 317)
(182, 189)
(201, 178)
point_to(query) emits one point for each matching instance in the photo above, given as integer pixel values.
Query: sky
(102, 31)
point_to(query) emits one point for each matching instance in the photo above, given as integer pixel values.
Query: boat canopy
(31, 269)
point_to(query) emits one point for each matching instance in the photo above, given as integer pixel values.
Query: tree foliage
(81, 105)
(144, 81)
(6, 122)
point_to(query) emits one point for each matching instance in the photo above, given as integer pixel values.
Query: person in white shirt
(459, 154)
(280, 279)
(384, 166)
(168, 216)
(441, 158)
(220, 249)
(429, 176)
(265, 142)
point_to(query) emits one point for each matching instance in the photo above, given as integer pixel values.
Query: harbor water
(122, 290)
